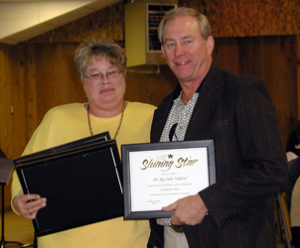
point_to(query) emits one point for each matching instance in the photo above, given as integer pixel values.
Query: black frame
(83, 185)
(68, 146)
(126, 149)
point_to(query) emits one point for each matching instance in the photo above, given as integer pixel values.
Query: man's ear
(162, 50)
(210, 44)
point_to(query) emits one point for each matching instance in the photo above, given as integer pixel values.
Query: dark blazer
(237, 113)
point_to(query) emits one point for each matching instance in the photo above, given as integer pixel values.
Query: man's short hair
(203, 22)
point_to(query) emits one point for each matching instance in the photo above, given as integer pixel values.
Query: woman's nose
(105, 79)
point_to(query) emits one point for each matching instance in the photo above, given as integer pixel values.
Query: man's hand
(189, 210)
(28, 205)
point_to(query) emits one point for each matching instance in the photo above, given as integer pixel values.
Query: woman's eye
(96, 76)
(111, 73)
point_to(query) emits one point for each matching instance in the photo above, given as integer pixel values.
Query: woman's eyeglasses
(98, 77)
(172, 132)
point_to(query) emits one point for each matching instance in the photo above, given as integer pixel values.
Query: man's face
(185, 50)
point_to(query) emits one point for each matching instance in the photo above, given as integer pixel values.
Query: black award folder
(71, 145)
(82, 184)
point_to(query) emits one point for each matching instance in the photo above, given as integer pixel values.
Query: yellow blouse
(67, 123)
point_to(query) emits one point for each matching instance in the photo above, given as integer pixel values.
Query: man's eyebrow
(186, 37)
(169, 39)
(182, 38)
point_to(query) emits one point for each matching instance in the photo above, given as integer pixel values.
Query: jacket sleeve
(253, 141)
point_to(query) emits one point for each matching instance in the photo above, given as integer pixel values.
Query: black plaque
(68, 146)
(82, 185)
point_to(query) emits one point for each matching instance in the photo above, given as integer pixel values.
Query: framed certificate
(83, 185)
(157, 174)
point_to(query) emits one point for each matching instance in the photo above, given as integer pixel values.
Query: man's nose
(179, 50)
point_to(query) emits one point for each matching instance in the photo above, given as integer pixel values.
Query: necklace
(120, 122)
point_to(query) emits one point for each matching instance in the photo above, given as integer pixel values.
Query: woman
(101, 64)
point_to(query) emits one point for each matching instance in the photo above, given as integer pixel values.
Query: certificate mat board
(82, 186)
(158, 174)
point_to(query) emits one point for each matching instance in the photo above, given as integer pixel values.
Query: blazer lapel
(161, 115)
(210, 93)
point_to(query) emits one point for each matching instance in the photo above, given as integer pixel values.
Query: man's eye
(187, 41)
(170, 45)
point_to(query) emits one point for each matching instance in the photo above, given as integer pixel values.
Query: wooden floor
(21, 230)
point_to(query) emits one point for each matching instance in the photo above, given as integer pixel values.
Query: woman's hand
(28, 205)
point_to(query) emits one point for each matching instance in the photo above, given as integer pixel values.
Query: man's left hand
(189, 210)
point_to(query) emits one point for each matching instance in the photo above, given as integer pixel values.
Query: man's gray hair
(203, 22)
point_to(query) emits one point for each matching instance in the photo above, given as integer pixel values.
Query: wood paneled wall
(272, 58)
(236, 18)
(37, 77)
(39, 74)
(228, 18)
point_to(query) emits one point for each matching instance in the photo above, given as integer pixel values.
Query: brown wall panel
(31, 92)
(56, 79)
(272, 58)
(226, 54)
(228, 18)
(19, 98)
(6, 84)
(149, 87)
(279, 71)
(235, 18)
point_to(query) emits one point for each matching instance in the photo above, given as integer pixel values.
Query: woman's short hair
(102, 48)
(203, 22)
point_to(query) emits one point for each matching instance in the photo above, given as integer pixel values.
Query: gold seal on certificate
(158, 174)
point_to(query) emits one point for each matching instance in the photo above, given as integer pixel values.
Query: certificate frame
(135, 152)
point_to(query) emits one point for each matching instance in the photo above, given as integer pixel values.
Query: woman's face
(107, 94)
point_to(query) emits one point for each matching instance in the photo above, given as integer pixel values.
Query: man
(237, 113)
